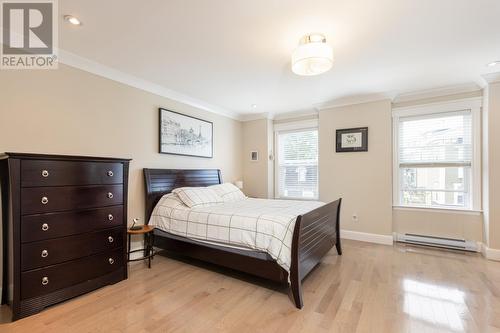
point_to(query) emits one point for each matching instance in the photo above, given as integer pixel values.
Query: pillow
(198, 196)
(228, 192)
(172, 200)
(169, 205)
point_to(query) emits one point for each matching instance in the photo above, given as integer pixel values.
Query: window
(436, 159)
(297, 164)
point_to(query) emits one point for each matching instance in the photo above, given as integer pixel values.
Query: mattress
(254, 224)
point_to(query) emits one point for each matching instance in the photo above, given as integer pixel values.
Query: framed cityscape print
(185, 135)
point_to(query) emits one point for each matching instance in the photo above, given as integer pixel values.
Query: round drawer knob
(45, 281)
(110, 239)
(110, 217)
(45, 227)
(45, 200)
(45, 173)
(110, 173)
(110, 195)
(45, 253)
(111, 261)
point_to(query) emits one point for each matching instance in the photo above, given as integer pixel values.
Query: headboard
(162, 181)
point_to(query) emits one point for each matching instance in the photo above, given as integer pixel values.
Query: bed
(313, 234)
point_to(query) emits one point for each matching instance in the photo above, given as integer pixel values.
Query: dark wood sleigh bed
(315, 233)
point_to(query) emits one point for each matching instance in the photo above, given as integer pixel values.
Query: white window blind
(435, 154)
(297, 164)
(436, 140)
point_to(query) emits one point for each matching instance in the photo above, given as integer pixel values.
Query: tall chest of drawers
(63, 225)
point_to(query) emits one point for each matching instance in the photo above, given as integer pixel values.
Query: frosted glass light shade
(312, 58)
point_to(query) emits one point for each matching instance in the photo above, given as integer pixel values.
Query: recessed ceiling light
(73, 20)
(494, 63)
(254, 106)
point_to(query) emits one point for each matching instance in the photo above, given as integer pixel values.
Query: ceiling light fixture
(494, 63)
(313, 56)
(71, 19)
(254, 106)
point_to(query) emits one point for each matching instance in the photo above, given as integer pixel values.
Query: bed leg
(338, 246)
(295, 279)
(296, 288)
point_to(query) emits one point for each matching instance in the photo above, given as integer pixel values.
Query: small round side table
(147, 231)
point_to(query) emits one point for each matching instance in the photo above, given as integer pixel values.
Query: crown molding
(295, 114)
(354, 100)
(278, 116)
(405, 97)
(491, 77)
(87, 65)
(256, 116)
(436, 107)
(436, 92)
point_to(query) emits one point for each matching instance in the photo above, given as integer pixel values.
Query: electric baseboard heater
(442, 242)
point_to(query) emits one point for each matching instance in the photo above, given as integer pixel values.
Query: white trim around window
(470, 104)
(285, 128)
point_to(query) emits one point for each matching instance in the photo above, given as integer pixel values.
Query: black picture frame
(254, 156)
(349, 149)
(180, 116)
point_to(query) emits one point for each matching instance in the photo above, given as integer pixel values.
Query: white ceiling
(235, 53)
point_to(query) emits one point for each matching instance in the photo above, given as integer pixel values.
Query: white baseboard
(489, 253)
(366, 237)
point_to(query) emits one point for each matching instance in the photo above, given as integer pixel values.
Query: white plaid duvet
(258, 224)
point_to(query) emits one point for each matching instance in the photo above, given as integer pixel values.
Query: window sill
(438, 210)
(296, 199)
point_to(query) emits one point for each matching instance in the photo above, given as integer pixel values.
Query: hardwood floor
(371, 288)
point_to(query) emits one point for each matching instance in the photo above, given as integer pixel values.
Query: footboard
(314, 235)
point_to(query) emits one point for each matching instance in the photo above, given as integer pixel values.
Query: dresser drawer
(54, 251)
(61, 173)
(54, 199)
(53, 225)
(46, 280)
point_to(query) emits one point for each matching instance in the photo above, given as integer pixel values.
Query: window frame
(291, 127)
(469, 104)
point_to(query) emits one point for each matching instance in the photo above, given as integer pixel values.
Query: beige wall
(491, 153)
(363, 179)
(68, 111)
(257, 176)
(439, 223)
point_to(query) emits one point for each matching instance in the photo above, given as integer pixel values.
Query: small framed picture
(254, 156)
(352, 140)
